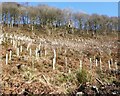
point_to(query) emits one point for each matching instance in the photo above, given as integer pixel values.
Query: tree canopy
(15, 13)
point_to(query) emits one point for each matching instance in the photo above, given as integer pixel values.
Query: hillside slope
(43, 63)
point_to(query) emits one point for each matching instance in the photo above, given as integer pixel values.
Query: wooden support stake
(10, 56)
(28, 46)
(6, 59)
(109, 65)
(54, 59)
(18, 53)
(39, 46)
(30, 52)
(90, 63)
(21, 48)
(100, 64)
(69, 71)
(116, 67)
(96, 62)
(80, 65)
(36, 53)
(111, 61)
(32, 27)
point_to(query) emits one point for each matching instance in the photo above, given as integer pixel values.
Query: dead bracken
(52, 56)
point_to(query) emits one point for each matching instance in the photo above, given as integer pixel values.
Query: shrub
(82, 76)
